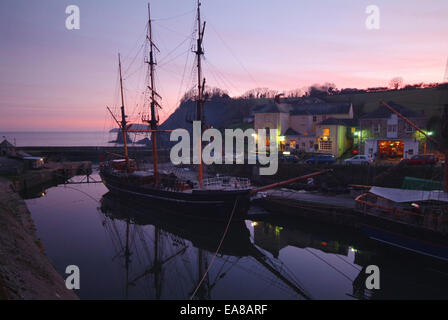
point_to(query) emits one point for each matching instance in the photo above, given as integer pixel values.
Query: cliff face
(25, 270)
(216, 113)
(219, 113)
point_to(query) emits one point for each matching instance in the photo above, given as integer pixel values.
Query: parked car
(289, 158)
(321, 159)
(360, 159)
(421, 159)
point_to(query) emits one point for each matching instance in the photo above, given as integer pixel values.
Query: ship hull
(213, 205)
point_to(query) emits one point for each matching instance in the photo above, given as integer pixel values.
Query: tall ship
(216, 198)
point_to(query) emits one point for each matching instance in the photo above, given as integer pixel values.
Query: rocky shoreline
(26, 273)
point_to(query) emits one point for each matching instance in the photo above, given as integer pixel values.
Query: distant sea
(62, 139)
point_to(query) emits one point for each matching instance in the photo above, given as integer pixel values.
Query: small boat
(414, 220)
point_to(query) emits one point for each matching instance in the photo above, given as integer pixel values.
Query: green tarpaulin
(411, 183)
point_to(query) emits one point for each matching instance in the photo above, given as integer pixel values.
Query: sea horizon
(62, 138)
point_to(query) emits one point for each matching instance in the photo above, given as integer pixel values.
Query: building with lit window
(384, 135)
(335, 136)
(298, 125)
(300, 142)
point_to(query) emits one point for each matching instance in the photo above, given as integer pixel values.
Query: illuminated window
(327, 132)
(326, 145)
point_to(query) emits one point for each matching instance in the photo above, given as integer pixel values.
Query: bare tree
(396, 83)
(209, 93)
(260, 93)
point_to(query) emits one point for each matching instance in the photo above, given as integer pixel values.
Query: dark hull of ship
(205, 205)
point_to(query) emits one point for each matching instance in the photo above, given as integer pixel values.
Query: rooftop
(293, 133)
(272, 107)
(305, 109)
(322, 108)
(340, 122)
(382, 112)
(6, 143)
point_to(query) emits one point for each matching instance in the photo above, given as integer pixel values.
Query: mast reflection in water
(126, 251)
(186, 245)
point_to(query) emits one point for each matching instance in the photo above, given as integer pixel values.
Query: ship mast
(201, 84)
(123, 116)
(153, 121)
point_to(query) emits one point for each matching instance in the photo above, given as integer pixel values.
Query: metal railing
(227, 182)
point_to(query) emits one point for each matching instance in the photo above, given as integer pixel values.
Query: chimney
(277, 98)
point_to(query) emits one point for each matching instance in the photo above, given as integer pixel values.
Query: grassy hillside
(430, 100)
(226, 112)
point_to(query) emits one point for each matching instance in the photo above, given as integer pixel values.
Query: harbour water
(125, 250)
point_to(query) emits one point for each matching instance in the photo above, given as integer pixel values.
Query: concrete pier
(52, 173)
(94, 154)
(332, 209)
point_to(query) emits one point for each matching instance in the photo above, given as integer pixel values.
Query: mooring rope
(217, 250)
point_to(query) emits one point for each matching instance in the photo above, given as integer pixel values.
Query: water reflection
(403, 275)
(197, 238)
(126, 250)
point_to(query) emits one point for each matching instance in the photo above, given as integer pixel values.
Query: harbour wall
(25, 270)
(94, 154)
(26, 273)
(52, 174)
(385, 175)
(341, 176)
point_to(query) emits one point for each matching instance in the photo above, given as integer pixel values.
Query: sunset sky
(54, 79)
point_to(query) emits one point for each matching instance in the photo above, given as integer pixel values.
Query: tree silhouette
(396, 83)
